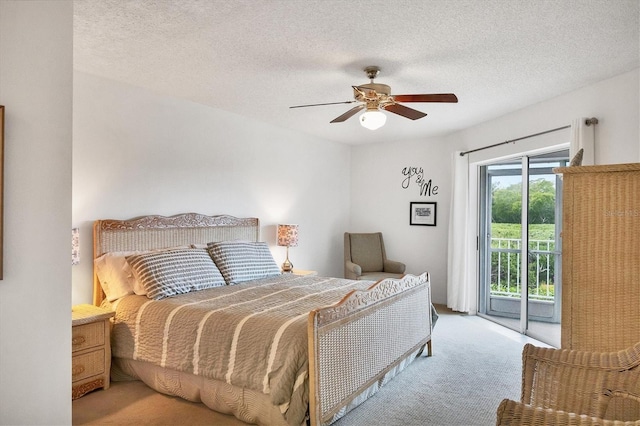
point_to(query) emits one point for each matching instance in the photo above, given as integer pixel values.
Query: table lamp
(287, 237)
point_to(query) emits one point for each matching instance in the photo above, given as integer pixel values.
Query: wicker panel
(149, 239)
(87, 336)
(87, 365)
(155, 232)
(388, 333)
(601, 248)
(516, 413)
(85, 314)
(589, 383)
(393, 319)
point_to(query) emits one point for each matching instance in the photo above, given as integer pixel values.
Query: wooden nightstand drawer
(91, 350)
(87, 336)
(87, 365)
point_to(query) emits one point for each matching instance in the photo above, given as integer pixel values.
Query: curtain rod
(588, 122)
(462, 154)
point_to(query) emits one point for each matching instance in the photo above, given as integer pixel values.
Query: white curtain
(461, 287)
(582, 137)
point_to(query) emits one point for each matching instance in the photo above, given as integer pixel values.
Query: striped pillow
(167, 273)
(241, 261)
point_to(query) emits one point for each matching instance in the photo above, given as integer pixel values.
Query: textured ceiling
(258, 57)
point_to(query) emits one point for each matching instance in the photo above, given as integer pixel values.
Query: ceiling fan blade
(434, 97)
(353, 111)
(330, 103)
(404, 111)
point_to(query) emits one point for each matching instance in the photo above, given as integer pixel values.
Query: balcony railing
(506, 272)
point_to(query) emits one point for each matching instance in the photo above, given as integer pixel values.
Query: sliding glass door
(519, 244)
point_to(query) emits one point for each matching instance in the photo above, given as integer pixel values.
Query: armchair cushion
(366, 251)
(377, 276)
(393, 267)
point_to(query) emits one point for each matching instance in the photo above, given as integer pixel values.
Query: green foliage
(506, 203)
(506, 234)
(506, 206)
(545, 292)
(514, 230)
(506, 264)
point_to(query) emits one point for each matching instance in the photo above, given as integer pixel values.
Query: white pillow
(115, 274)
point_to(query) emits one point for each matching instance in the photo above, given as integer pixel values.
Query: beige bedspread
(251, 335)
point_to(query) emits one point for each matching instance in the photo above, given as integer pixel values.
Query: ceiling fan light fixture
(375, 99)
(373, 119)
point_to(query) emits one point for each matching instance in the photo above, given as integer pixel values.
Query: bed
(266, 347)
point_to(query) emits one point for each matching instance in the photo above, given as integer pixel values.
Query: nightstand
(303, 272)
(90, 349)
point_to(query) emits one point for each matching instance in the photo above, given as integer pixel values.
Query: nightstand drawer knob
(78, 340)
(77, 369)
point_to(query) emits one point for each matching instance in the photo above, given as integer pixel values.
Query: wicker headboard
(155, 232)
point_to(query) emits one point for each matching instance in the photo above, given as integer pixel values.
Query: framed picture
(422, 213)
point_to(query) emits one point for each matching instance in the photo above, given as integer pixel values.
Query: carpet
(475, 364)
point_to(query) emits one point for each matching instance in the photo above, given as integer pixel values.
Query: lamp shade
(75, 246)
(373, 119)
(288, 235)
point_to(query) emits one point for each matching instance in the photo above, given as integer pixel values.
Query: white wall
(615, 102)
(36, 54)
(137, 153)
(379, 203)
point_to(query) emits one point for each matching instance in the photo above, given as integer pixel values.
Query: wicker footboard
(354, 343)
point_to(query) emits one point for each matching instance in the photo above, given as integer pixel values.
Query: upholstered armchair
(569, 387)
(366, 259)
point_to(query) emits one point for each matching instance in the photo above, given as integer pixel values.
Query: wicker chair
(569, 387)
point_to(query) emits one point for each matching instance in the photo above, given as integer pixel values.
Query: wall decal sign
(416, 175)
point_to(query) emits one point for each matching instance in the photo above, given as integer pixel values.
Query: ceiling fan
(375, 98)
